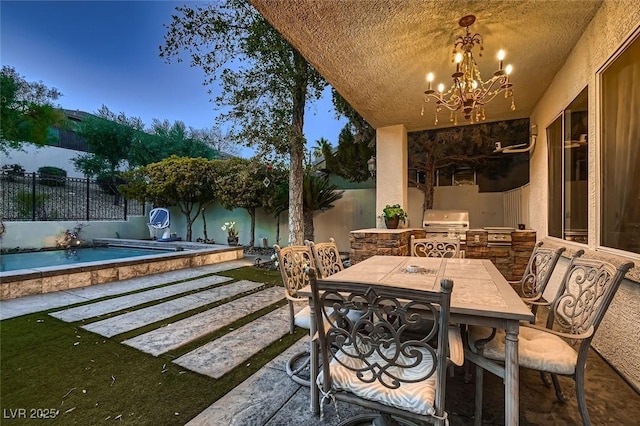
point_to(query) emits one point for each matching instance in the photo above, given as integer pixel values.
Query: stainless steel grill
(498, 236)
(446, 223)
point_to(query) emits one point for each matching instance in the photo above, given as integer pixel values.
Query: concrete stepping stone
(254, 400)
(130, 300)
(141, 317)
(184, 331)
(222, 355)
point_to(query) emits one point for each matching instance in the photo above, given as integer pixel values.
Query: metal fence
(32, 197)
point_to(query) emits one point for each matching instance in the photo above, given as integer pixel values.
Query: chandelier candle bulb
(500, 59)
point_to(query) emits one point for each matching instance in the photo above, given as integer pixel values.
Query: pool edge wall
(26, 282)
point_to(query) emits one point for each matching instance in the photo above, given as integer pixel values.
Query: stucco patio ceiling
(377, 53)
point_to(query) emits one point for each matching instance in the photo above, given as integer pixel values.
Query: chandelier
(469, 93)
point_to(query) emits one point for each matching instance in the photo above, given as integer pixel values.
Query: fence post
(126, 205)
(87, 205)
(33, 196)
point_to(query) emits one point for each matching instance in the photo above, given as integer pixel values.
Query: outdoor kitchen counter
(511, 260)
(381, 241)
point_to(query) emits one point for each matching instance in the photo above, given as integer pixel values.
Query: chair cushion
(303, 318)
(456, 348)
(537, 349)
(415, 397)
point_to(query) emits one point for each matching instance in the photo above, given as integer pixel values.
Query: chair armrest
(569, 336)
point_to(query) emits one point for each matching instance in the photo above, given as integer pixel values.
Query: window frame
(633, 37)
(562, 118)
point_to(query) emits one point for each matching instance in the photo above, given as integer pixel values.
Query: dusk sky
(107, 53)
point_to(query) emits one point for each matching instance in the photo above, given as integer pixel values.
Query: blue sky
(106, 53)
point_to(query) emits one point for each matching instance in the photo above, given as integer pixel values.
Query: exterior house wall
(32, 158)
(618, 340)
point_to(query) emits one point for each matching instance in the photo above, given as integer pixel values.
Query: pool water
(39, 259)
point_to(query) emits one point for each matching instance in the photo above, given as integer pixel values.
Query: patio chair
(293, 262)
(327, 257)
(370, 362)
(435, 247)
(159, 219)
(536, 276)
(560, 348)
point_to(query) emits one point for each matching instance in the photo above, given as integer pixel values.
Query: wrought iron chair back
(584, 296)
(562, 347)
(327, 257)
(369, 360)
(541, 264)
(434, 247)
(293, 262)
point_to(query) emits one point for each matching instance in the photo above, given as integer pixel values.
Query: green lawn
(56, 369)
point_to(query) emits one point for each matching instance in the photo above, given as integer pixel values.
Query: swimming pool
(39, 259)
(142, 258)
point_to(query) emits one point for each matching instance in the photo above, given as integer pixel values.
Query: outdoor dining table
(481, 296)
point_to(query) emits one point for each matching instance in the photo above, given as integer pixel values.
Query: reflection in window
(568, 192)
(620, 159)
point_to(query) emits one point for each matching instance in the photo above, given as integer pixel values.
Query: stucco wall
(32, 158)
(611, 26)
(29, 235)
(618, 339)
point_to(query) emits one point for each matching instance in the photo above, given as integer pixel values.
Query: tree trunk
(308, 225)
(204, 225)
(296, 151)
(252, 214)
(430, 175)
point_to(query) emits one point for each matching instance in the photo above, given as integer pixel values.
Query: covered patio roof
(376, 53)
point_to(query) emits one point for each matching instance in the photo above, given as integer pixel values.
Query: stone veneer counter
(511, 260)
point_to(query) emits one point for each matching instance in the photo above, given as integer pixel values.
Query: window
(568, 192)
(620, 149)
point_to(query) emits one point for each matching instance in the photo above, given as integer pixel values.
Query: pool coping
(24, 282)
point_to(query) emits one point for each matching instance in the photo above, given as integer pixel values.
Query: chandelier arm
(488, 94)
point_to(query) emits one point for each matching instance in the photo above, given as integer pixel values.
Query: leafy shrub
(12, 172)
(24, 203)
(109, 183)
(52, 176)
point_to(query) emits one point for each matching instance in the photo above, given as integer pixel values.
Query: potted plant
(232, 233)
(393, 215)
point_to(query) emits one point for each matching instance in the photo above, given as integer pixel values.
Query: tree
(265, 82)
(318, 195)
(356, 144)
(26, 111)
(240, 184)
(175, 181)
(179, 141)
(470, 146)
(349, 159)
(109, 143)
(220, 142)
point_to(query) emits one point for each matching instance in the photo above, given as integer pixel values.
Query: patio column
(391, 168)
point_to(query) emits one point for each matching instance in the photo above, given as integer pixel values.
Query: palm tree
(318, 194)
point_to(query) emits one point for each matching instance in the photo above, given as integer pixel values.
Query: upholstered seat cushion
(536, 349)
(415, 397)
(303, 318)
